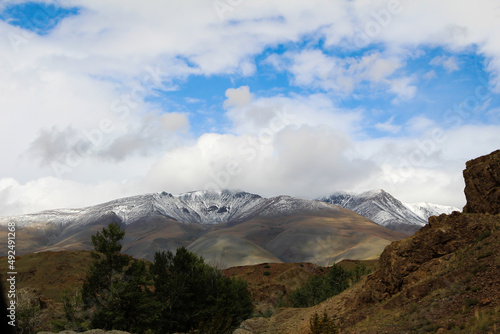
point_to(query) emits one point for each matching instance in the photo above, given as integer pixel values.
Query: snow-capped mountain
(230, 228)
(202, 207)
(426, 210)
(385, 210)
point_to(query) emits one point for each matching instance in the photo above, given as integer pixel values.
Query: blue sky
(121, 98)
(40, 18)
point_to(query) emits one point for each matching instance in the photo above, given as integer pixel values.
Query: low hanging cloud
(305, 160)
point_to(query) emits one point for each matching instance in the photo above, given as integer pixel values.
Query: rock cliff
(482, 184)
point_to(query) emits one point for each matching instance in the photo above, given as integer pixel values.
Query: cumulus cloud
(53, 144)
(304, 161)
(154, 131)
(52, 193)
(238, 97)
(259, 114)
(403, 89)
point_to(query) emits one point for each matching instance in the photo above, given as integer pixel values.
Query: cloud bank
(108, 99)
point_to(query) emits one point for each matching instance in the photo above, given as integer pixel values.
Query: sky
(107, 99)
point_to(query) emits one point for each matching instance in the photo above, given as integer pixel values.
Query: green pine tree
(116, 288)
(191, 295)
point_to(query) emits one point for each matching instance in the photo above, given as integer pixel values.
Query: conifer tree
(116, 287)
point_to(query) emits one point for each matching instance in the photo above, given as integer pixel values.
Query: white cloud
(430, 75)
(304, 161)
(450, 64)
(388, 126)
(334, 74)
(238, 97)
(51, 193)
(102, 65)
(403, 89)
(253, 114)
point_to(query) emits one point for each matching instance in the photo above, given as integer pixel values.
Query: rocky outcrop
(482, 184)
(405, 262)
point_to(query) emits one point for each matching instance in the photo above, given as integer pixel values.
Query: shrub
(318, 289)
(267, 273)
(324, 325)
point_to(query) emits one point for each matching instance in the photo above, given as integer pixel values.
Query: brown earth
(270, 283)
(49, 273)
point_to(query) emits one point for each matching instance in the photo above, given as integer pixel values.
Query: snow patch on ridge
(385, 210)
(202, 207)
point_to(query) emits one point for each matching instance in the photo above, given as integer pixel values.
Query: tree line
(176, 293)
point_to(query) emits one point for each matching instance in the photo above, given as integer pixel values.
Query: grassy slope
(269, 283)
(49, 273)
(322, 240)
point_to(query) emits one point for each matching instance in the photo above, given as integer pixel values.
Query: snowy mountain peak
(385, 210)
(426, 210)
(202, 207)
(373, 193)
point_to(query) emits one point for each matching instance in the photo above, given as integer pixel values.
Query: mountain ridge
(385, 210)
(216, 225)
(202, 207)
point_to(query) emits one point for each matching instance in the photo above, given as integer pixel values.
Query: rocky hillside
(445, 278)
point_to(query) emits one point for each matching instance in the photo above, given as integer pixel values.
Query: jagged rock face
(482, 184)
(405, 264)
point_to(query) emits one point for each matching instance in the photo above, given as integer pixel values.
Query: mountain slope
(216, 225)
(443, 279)
(385, 210)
